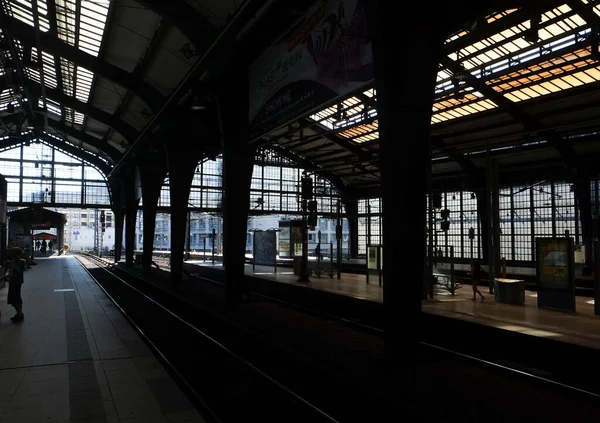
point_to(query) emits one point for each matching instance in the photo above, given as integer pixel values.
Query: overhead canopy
(37, 218)
(44, 236)
(528, 94)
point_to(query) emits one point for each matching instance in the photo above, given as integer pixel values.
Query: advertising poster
(372, 257)
(326, 55)
(284, 242)
(553, 263)
(556, 287)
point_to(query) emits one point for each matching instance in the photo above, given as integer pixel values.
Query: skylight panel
(47, 66)
(596, 8)
(83, 84)
(362, 133)
(68, 76)
(572, 69)
(73, 116)
(52, 106)
(92, 24)
(66, 18)
(21, 10)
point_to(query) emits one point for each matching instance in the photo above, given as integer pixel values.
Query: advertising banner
(555, 272)
(326, 55)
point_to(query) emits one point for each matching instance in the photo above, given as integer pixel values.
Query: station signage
(325, 56)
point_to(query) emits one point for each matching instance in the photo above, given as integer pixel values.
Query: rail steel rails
(481, 362)
(299, 409)
(380, 331)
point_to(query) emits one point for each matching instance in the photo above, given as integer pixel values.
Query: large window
(39, 174)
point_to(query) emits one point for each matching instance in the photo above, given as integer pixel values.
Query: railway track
(263, 390)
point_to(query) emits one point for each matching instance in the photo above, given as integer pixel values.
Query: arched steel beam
(9, 143)
(50, 44)
(98, 143)
(530, 122)
(111, 152)
(82, 154)
(64, 100)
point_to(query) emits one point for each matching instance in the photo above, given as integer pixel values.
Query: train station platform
(580, 328)
(75, 357)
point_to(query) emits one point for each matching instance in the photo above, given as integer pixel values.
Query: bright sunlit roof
(78, 23)
(348, 115)
(514, 67)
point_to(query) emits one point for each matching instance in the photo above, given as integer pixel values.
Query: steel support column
(352, 217)
(483, 213)
(582, 194)
(238, 163)
(132, 201)
(493, 222)
(405, 90)
(117, 206)
(182, 160)
(152, 176)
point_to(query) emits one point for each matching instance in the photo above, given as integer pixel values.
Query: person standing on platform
(15, 270)
(50, 245)
(44, 245)
(477, 273)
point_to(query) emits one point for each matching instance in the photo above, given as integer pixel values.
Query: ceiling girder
(83, 155)
(463, 161)
(52, 45)
(497, 26)
(9, 143)
(64, 100)
(98, 143)
(353, 149)
(530, 122)
(54, 32)
(585, 11)
(145, 62)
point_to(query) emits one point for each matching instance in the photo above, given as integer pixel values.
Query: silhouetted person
(44, 246)
(50, 245)
(14, 273)
(477, 273)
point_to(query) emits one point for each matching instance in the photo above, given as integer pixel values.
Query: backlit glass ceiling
(514, 67)
(78, 23)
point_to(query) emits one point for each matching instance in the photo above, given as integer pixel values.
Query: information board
(556, 288)
(265, 252)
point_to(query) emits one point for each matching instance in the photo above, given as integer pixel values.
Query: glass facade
(41, 174)
(526, 212)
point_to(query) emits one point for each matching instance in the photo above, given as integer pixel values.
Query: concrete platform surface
(75, 358)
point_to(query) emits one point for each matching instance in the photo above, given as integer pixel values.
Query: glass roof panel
(80, 23)
(596, 8)
(559, 28)
(572, 69)
(52, 106)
